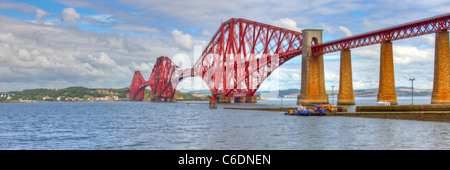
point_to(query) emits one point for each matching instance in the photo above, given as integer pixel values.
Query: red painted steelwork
(242, 54)
(163, 81)
(165, 78)
(137, 86)
(239, 57)
(408, 30)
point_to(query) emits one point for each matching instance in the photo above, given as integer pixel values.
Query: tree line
(72, 92)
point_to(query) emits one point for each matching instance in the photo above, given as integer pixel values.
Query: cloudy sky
(99, 43)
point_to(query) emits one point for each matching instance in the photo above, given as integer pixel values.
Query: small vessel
(318, 111)
(385, 103)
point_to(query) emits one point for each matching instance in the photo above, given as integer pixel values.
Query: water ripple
(147, 125)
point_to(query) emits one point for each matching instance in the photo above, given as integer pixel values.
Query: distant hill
(258, 93)
(83, 93)
(70, 92)
(76, 93)
(202, 92)
(281, 92)
(406, 91)
(401, 91)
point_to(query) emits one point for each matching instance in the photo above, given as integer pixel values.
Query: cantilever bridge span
(243, 53)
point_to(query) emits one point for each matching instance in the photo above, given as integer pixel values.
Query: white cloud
(41, 56)
(327, 28)
(104, 59)
(369, 52)
(51, 47)
(134, 28)
(25, 8)
(287, 23)
(368, 24)
(143, 67)
(345, 30)
(182, 60)
(5, 36)
(428, 39)
(405, 55)
(184, 40)
(103, 18)
(40, 14)
(206, 33)
(70, 15)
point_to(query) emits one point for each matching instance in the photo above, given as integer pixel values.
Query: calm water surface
(147, 125)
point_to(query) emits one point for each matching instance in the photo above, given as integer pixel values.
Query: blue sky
(62, 43)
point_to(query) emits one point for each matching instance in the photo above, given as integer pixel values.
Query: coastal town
(60, 95)
(82, 94)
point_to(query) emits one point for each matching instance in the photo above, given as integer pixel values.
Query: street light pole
(412, 90)
(332, 92)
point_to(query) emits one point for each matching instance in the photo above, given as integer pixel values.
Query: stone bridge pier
(312, 90)
(386, 85)
(441, 81)
(346, 96)
(313, 81)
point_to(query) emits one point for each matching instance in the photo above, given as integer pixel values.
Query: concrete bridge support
(313, 79)
(251, 99)
(212, 105)
(239, 99)
(247, 99)
(346, 96)
(441, 82)
(163, 99)
(386, 89)
(223, 99)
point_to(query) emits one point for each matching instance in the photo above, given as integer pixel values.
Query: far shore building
(47, 98)
(293, 95)
(198, 95)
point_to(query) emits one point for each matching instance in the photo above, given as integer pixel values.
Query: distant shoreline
(78, 93)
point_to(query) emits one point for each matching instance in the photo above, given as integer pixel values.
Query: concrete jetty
(428, 112)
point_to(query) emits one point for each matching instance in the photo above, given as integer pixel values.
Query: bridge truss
(243, 53)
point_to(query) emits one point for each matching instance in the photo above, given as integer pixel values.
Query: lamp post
(412, 90)
(332, 92)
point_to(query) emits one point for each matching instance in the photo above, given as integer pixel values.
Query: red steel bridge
(243, 53)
